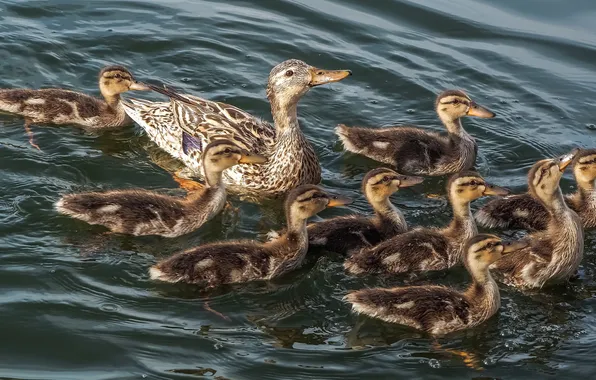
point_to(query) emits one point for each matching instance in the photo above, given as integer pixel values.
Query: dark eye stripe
(592, 161)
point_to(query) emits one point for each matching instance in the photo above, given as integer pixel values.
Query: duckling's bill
(567, 159)
(139, 86)
(495, 190)
(320, 76)
(252, 158)
(479, 111)
(409, 180)
(512, 246)
(338, 200)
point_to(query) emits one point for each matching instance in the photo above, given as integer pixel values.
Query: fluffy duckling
(438, 310)
(555, 253)
(59, 106)
(227, 262)
(354, 232)
(424, 249)
(417, 151)
(523, 211)
(142, 212)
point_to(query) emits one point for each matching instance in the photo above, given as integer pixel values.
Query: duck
(439, 310)
(59, 106)
(554, 254)
(227, 262)
(416, 151)
(141, 212)
(522, 211)
(429, 249)
(185, 125)
(344, 234)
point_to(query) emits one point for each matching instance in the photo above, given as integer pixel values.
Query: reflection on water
(66, 284)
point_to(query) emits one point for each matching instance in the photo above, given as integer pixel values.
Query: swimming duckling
(555, 253)
(227, 262)
(438, 310)
(424, 249)
(523, 211)
(59, 106)
(142, 212)
(353, 232)
(417, 151)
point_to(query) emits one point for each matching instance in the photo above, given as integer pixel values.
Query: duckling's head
(114, 80)
(545, 175)
(467, 186)
(222, 154)
(308, 200)
(291, 79)
(378, 184)
(484, 249)
(455, 104)
(584, 167)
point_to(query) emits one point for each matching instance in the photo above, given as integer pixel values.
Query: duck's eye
(473, 183)
(289, 73)
(386, 179)
(118, 76)
(227, 151)
(455, 101)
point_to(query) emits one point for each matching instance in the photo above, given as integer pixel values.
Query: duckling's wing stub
(421, 307)
(517, 211)
(342, 235)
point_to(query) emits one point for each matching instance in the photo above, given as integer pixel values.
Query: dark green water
(75, 304)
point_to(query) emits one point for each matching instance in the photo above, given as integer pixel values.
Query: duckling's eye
(455, 101)
(386, 179)
(227, 151)
(289, 73)
(473, 183)
(118, 76)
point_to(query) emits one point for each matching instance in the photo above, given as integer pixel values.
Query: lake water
(77, 304)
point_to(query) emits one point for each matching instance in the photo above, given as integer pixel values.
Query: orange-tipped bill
(252, 158)
(495, 190)
(479, 111)
(320, 76)
(567, 159)
(336, 201)
(139, 86)
(409, 180)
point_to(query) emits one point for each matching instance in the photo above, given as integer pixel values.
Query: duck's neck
(463, 221)
(285, 114)
(555, 204)
(586, 192)
(454, 126)
(388, 216)
(483, 293)
(213, 178)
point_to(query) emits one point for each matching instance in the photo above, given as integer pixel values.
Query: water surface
(78, 304)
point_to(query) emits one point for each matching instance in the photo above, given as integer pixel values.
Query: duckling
(523, 211)
(59, 106)
(416, 151)
(438, 310)
(215, 264)
(554, 254)
(354, 232)
(142, 212)
(424, 249)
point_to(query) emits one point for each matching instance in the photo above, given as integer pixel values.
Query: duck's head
(115, 80)
(584, 168)
(222, 154)
(308, 200)
(291, 79)
(378, 184)
(545, 175)
(484, 249)
(467, 186)
(455, 104)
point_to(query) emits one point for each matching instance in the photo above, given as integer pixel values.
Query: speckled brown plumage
(417, 151)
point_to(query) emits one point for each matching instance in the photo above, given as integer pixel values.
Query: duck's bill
(320, 76)
(479, 111)
(139, 86)
(409, 180)
(567, 159)
(512, 246)
(495, 190)
(252, 158)
(337, 200)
